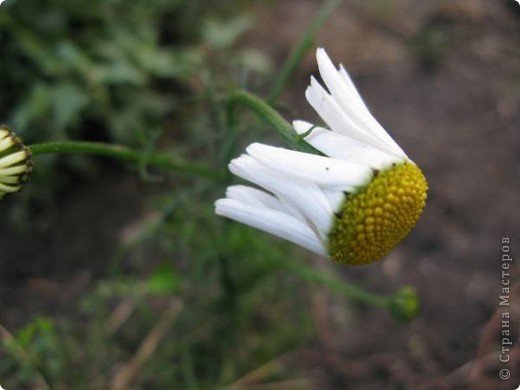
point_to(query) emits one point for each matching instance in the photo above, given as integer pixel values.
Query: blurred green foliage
(67, 66)
(38, 349)
(114, 69)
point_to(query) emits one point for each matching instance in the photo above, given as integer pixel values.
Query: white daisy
(354, 203)
(15, 164)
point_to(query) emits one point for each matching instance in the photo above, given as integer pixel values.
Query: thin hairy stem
(159, 160)
(271, 117)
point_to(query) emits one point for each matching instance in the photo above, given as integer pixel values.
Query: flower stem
(270, 116)
(349, 290)
(301, 48)
(159, 160)
(403, 304)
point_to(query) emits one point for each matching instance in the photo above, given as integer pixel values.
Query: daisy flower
(15, 164)
(354, 203)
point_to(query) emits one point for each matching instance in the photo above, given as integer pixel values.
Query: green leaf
(164, 280)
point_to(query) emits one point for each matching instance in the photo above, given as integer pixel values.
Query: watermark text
(504, 301)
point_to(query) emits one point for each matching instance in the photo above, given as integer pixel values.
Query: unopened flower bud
(15, 162)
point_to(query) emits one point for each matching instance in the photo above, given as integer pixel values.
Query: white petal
(307, 197)
(345, 148)
(13, 158)
(295, 212)
(3, 133)
(345, 93)
(271, 221)
(350, 84)
(258, 198)
(336, 119)
(9, 179)
(371, 120)
(348, 99)
(335, 198)
(8, 188)
(324, 171)
(16, 170)
(254, 197)
(6, 143)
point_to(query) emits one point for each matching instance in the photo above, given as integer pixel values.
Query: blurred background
(121, 277)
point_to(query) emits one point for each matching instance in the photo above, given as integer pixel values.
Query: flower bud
(404, 304)
(15, 162)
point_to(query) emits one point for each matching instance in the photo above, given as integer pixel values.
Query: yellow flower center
(374, 219)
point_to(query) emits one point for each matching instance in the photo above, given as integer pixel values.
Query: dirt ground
(442, 77)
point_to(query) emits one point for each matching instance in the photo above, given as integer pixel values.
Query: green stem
(349, 290)
(159, 160)
(270, 116)
(403, 304)
(301, 48)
